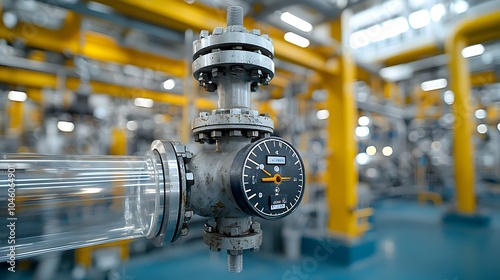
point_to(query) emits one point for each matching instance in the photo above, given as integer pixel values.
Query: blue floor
(412, 243)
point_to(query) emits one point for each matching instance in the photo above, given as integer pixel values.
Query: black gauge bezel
(237, 185)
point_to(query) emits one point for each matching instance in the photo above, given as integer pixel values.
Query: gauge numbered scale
(267, 178)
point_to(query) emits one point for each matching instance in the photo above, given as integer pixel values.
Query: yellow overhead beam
(44, 80)
(414, 54)
(180, 15)
(92, 45)
(460, 83)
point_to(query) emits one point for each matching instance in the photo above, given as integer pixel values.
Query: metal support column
(342, 173)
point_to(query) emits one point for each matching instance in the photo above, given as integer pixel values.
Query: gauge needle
(286, 178)
(270, 179)
(268, 174)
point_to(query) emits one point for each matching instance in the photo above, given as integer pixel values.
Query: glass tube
(67, 202)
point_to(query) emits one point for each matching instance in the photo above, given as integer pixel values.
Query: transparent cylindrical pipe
(65, 202)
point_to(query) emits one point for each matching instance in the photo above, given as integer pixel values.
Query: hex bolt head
(235, 111)
(218, 31)
(237, 70)
(188, 215)
(265, 36)
(217, 73)
(254, 87)
(204, 34)
(255, 225)
(214, 249)
(252, 133)
(256, 74)
(203, 114)
(184, 230)
(255, 32)
(235, 133)
(190, 179)
(211, 87)
(209, 228)
(234, 231)
(202, 137)
(216, 134)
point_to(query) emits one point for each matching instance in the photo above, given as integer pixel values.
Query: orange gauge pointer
(277, 178)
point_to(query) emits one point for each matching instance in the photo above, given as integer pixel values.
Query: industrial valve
(249, 173)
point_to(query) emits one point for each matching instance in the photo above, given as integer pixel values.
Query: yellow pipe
(42, 80)
(15, 110)
(94, 45)
(460, 82)
(180, 15)
(418, 53)
(342, 176)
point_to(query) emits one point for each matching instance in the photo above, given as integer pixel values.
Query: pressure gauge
(267, 178)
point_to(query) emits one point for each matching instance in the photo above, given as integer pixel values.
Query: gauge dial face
(271, 183)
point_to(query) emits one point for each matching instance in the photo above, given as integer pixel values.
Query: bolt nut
(210, 87)
(255, 225)
(202, 136)
(214, 249)
(216, 134)
(184, 230)
(254, 86)
(267, 134)
(203, 114)
(235, 111)
(234, 231)
(209, 228)
(252, 133)
(237, 70)
(265, 36)
(255, 32)
(188, 215)
(256, 74)
(218, 31)
(190, 178)
(204, 34)
(235, 133)
(217, 73)
(188, 155)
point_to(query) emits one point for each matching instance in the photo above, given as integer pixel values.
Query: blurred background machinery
(394, 107)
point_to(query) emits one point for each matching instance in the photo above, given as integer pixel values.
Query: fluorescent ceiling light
(169, 84)
(362, 131)
(482, 128)
(460, 6)
(449, 97)
(362, 159)
(387, 151)
(90, 190)
(480, 114)
(18, 96)
(144, 102)
(473, 50)
(437, 12)
(419, 19)
(434, 84)
(65, 126)
(132, 125)
(296, 22)
(296, 39)
(364, 121)
(371, 150)
(322, 114)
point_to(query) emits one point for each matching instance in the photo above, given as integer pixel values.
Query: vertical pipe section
(342, 173)
(469, 32)
(462, 129)
(66, 202)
